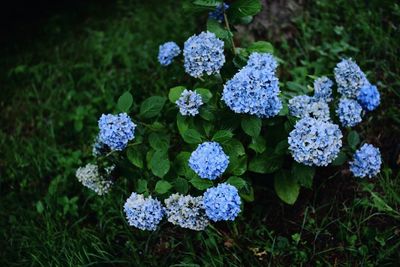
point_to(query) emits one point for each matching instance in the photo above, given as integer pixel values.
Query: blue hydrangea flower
(222, 203)
(262, 61)
(323, 89)
(305, 106)
(253, 91)
(91, 178)
(349, 78)
(367, 162)
(167, 52)
(203, 54)
(218, 13)
(143, 213)
(209, 160)
(189, 103)
(369, 97)
(116, 130)
(186, 211)
(315, 142)
(349, 112)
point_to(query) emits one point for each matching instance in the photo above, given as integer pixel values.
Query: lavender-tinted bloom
(167, 52)
(367, 162)
(369, 97)
(262, 61)
(189, 103)
(349, 112)
(143, 213)
(305, 106)
(315, 142)
(209, 160)
(116, 130)
(254, 89)
(90, 177)
(222, 203)
(323, 89)
(203, 54)
(186, 211)
(349, 78)
(218, 13)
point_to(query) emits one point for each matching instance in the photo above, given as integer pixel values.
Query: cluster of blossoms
(349, 78)
(323, 89)
(217, 203)
(218, 13)
(349, 112)
(369, 97)
(167, 53)
(315, 142)
(91, 177)
(305, 106)
(222, 202)
(186, 211)
(143, 213)
(367, 162)
(203, 54)
(189, 103)
(116, 130)
(209, 160)
(255, 88)
(99, 148)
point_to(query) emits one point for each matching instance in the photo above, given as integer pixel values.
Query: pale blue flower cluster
(90, 177)
(218, 13)
(209, 160)
(367, 162)
(186, 211)
(255, 88)
(315, 142)
(349, 78)
(99, 148)
(116, 130)
(369, 97)
(143, 213)
(323, 89)
(167, 52)
(189, 103)
(303, 106)
(349, 112)
(222, 202)
(203, 54)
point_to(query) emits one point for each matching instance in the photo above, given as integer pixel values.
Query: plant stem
(229, 32)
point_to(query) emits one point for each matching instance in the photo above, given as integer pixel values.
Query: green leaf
(201, 184)
(286, 187)
(244, 8)
(159, 163)
(206, 94)
(181, 123)
(247, 193)
(304, 174)
(237, 165)
(258, 144)
(181, 185)
(207, 3)
(237, 182)
(261, 47)
(353, 138)
(234, 148)
(340, 159)
(175, 93)
(251, 125)
(192, 136)
(216, 28)
(135, 156)
(142, 186)
(181, 163)
(159, 141)
(266, 162)
(222, 136)
(152, 106)
(282, 147)
(125, 102)
(207, 114)
(162, 187)
(39, 206)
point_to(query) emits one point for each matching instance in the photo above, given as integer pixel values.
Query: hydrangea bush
(189, 156)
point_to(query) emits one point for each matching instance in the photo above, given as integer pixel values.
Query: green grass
(56, 87)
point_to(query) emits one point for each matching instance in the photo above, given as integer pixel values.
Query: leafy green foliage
(151, 107)
(125, 102)
(286, 186)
